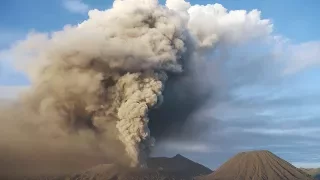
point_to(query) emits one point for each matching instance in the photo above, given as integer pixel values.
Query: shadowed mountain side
(257, 165)
(178, 163)
(314, 172)
(254, 165)
(175, 168)
(112, 172)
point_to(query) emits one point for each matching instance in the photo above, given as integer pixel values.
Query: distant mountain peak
(178, 163)
(179, 156)
(258, 164)
(259, 152)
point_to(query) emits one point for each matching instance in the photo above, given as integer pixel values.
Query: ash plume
(113, 84)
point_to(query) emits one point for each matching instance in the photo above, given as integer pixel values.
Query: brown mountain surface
(159, 168)
(112, 172)
(257, 165)
(314, 172)
(254, 165)
(311, 171)
(178, 163)
(175, 168)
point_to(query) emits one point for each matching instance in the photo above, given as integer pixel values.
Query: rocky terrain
(160, 168)
(253, 165)
(179, 163)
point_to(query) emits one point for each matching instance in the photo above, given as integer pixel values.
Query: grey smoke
(116, 83)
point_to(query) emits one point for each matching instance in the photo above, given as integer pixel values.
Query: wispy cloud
(76, 6)
(11, 92)
(8, 36)
(303, 56)
(187, 147)
(306, 164)
(307, 132)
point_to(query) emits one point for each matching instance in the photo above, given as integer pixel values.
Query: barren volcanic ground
(257, 165)
(175, 168)
(253, 165)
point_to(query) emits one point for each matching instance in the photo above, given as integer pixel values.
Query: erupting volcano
(105, 90)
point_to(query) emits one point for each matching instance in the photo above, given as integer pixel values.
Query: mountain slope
(177, 167)
(257, 165)
(113, 172)
(159, 168)
(178, 163)
(314, 172)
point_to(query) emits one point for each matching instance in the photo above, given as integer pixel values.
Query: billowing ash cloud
(123, 78)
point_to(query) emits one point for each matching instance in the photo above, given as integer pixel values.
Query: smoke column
(99, 82)
(107, 72)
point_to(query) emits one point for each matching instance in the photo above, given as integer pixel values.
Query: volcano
(257, 165)
(178, 163)
(252, 165)
(177, 167)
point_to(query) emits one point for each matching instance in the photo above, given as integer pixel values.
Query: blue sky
(276, 112)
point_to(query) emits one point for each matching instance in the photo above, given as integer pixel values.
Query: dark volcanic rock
(112, 172)
(257, 165)
(178, 163)
(160, 168)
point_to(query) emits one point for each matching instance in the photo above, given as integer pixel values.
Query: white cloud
(178, 5)
(189, 147)
(306, 164)
(307, 132)
(76, 6)
(303, 55)
(213, 23)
